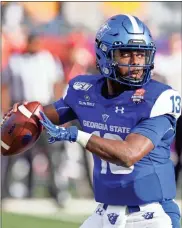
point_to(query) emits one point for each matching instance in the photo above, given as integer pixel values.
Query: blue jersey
(150, 111)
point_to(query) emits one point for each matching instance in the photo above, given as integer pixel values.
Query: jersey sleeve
(63, 109)
(168, 102)
(156, 128)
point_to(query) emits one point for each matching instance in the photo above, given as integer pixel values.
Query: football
(22, 129)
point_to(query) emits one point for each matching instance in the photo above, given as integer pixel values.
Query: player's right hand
(12, 110)
(57, 133)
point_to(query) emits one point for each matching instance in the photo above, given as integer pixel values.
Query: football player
(128, 123)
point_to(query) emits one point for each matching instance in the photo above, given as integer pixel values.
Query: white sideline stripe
(4, 145)
(24, 111)
(134, 23)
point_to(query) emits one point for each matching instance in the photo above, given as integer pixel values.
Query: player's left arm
(141, 141)
(127, 152)
(146, 135)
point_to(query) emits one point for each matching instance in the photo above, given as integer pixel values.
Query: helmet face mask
(128, 72)
(116, 47)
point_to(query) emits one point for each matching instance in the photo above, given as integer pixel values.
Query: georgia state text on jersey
(150, 179)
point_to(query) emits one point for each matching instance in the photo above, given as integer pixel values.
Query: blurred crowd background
(44, 45)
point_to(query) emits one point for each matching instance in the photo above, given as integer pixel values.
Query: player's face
(134, 58)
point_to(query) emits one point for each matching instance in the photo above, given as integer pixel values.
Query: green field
(10, 220)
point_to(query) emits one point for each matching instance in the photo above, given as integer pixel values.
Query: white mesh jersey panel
(169, 102)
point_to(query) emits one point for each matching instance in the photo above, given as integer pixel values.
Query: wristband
(83, 138)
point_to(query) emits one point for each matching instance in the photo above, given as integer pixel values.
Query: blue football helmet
(124, 32)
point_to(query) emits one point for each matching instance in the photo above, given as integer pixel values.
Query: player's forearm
(128, 152)
(51, 113)
(110, 149)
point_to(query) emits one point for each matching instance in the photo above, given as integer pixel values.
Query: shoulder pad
(168, 102)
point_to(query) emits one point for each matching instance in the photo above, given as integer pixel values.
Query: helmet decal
(103, 29)
(134, 23)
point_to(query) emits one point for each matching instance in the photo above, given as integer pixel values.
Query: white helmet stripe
(134, 23)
